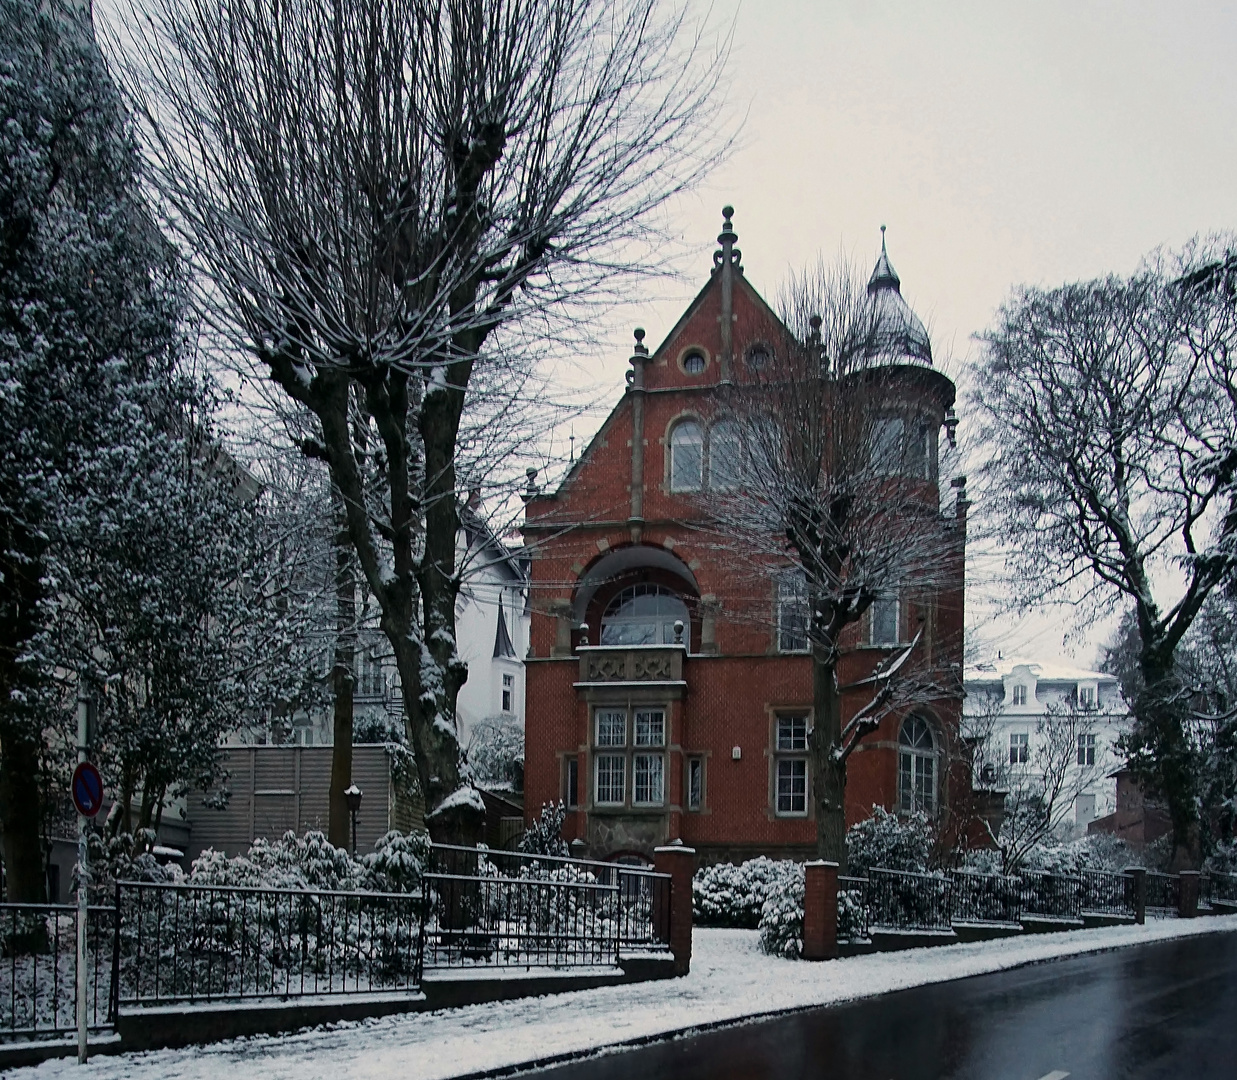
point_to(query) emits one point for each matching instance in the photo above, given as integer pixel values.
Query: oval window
(758, 356)
(694, 363)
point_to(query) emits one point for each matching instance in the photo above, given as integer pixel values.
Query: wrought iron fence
(1104, 892)
(1219, 887)
(1163, 893)
(900, 900)
(207, 943)
(853, 909)
(38, 976)
(508, 909)
(1051, 896)
(985, 898)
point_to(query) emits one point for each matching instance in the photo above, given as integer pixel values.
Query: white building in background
(492, 617)
(1008, 703)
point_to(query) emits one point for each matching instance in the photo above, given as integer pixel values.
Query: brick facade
(615, 522)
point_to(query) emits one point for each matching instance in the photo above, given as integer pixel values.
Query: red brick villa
(665, 698)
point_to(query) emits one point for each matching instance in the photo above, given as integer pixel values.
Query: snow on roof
(1043, 670)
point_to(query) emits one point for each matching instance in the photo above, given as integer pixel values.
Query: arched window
(725, 456)
(916, 766)
(644, 615)
(686, 457)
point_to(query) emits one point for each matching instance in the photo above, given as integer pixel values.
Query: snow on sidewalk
(730, 980)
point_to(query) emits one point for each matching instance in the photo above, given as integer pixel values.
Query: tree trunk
(20, 810)
(828, 769)
(1159, 712)
(343, 683)
(21, 590)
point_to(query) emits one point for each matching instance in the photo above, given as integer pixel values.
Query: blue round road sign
(87, 789)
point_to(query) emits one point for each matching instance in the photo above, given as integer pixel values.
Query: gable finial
(729, 254)
(882, 239)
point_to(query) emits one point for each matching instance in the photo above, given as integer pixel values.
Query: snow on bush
(1095, 851)
(890, 842)
(728, 895)
(781, 917)
(545, 835)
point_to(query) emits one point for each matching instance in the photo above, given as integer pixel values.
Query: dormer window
(1086, 697)
(1020, 694)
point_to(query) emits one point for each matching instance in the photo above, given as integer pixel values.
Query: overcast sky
(1001, 143)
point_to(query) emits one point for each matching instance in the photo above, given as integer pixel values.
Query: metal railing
(985, 898)
(901, 900)
(853, 909)
(1218, 887)
(1105, 892)
(488, 908)
(1163, 893)
(1051, 896)
(38, 973)
(197, 943)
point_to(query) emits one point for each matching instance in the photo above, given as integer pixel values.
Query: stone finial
(729, 255)
(530, 491)
(640, 351)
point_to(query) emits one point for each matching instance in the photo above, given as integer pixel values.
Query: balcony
(658, 666)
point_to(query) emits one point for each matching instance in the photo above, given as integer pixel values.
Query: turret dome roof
(901, 337)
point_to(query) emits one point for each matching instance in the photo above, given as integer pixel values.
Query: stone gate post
(680, 863)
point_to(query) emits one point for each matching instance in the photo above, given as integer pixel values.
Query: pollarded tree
(388, 200)
(1111, 417)
(835, 496)
(89, 304)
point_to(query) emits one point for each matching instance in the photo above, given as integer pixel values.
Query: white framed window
(1086, 749)
(792, 787)
(686, 456)
(883, 622)
(725, 456)
(916, 766)
(611, 727)
(790, 745)
(1019, 748)
(645, 615)
(920, 464)
(650, 727)
(1086, 697)
(1020, 694)
(508, 692)
(695, 783)
(649, 783)
(609, 788)
(629, 741)
(792, 612)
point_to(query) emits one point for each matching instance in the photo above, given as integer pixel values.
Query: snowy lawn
(730, 979)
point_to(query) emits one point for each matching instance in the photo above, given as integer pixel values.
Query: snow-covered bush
(545, 835)
(496, 752)
(397, 862)
(781, 917)
(890, 842)
(851, 920)
(729, 895)
(1094, 851)
(1223, 858)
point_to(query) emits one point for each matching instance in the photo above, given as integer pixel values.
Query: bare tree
(1110, 411)
(835, 498)
(1042, 786)
(388, 200)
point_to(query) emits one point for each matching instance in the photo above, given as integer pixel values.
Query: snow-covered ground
(730, 979)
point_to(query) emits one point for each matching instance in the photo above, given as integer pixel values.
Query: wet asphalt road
(1165, 1010)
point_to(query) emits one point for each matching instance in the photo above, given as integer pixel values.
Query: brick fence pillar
(1187, 897)
(1139, 877)
(680, 863)
(820, 910)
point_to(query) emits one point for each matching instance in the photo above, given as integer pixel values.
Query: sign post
(87, 790)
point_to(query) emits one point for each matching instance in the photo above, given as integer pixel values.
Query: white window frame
(1019, 748)
(790, 763)
(916, 763)
(637, 736)
(1088, 749)
(1018, 695)
(508, 693)
(733, 436)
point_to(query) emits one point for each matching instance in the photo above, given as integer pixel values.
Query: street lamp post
(352, 794)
